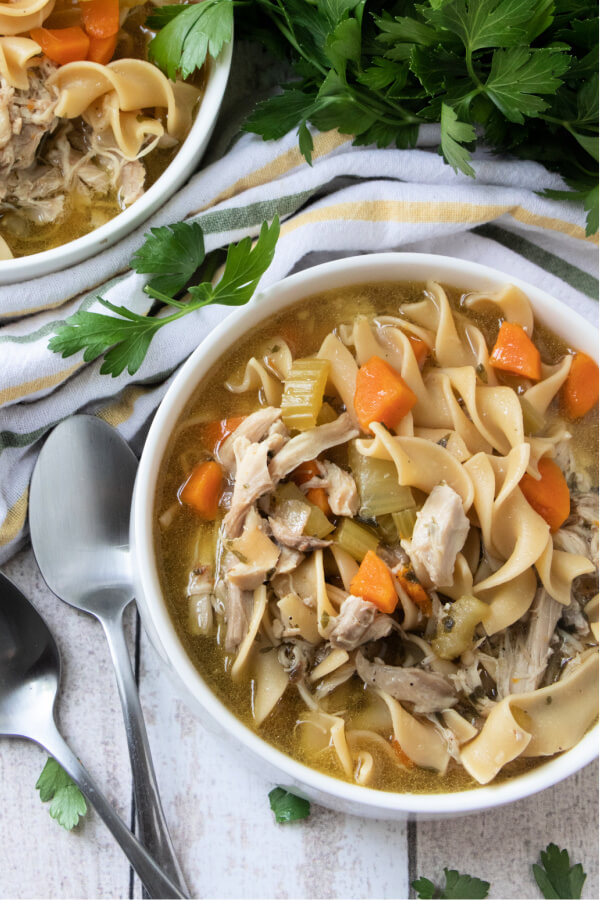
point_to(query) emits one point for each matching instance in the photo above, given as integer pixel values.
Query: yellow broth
(304, 326)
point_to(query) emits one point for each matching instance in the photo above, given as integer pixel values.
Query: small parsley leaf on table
(288, 807)
(125, 336)
(181, 46)
(68, 803)
(457, 887)
(556, 877)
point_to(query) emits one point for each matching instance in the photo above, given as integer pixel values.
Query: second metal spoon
(79, 505)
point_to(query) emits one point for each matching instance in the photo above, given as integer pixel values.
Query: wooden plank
(501, 845)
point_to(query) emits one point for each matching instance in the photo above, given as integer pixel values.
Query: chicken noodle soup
(87, 124)
(377, 535)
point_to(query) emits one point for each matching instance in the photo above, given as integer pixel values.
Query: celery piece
(533, 421)
(355, 539)
(326, 414)
(405, 521)
(303, 393)
(386, 527)
(456, 626)
(317, 524)
(377, 483)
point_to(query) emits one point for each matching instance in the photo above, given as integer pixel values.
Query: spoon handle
(155, 881)
(150, 816)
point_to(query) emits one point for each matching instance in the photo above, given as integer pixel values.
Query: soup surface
(87, 124)
(356, 548)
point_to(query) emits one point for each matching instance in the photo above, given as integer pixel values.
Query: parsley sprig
(522, 75)
(461, 887)
(173, 253)
(68, 803)
(287, 807)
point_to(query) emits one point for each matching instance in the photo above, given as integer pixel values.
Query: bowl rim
(170, 180)
(340, 272)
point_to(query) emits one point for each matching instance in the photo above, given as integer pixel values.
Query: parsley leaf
(457, 887)
(484, 23)
(453, 133)
(125, 336)
(174, 251)
(556, 877)
(288, 807)
(182, 45)
(68, 803)
(518, 75)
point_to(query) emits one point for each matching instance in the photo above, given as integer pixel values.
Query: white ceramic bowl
(324, 789)
(180, 169)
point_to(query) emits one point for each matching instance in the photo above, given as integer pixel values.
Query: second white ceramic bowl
(276, 765)
(179, 170)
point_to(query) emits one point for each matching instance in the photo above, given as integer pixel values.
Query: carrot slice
(374, 582)
(214, 433)
(319, 497)
(515, 352)
(102, 49)
(100, 17)
(417, 593)
(203, 488)
(579, 393)
(420, 349)
(305, 471)
(550, 495)
(62, 45)
(381, 394)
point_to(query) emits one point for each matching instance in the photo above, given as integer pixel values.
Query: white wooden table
(217, 809)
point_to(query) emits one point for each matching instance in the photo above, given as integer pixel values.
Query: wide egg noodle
(342, 373)
(270, 681)
(15, 53)
(440, 383)
(100, 94)
(539, 723)
(245, 648)
(19, 16)
(435, 314)
(419, 463)
(510, 302)
(484, 369)
(257, 378)
(508, 601)
(558, 569)
(541, 395)
(422, 743)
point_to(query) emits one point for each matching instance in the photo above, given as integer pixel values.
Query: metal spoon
(79, 505)
(29, 679)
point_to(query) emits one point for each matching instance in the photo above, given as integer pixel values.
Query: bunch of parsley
(520, 75)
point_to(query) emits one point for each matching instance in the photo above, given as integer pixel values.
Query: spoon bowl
(79, 507)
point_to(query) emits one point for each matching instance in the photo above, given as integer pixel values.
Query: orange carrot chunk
(100, 17)
(550, 495)
(214, 433)
(580, 391)
(415, 590)
(62, 45)
(203, 488)
(305, 471)
(102, 49)
(374, 582)
(515, 352)
(381, 394)
(319, 497)
(420, 349)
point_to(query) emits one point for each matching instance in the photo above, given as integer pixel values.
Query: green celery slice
(317, 524)
(356, 539)
(303, 393)
(405, 521)
(377, 483)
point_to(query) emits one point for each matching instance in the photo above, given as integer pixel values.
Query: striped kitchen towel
(351, 200)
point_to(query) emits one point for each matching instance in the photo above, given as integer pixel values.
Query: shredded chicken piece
(439, 534)
(254, 428)
(311, 443)
(428, 691)
(341, 489)
(290, 533)
(26, 116)
(252, 479)
(523, 659)
(288, 561)
(358, 622)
